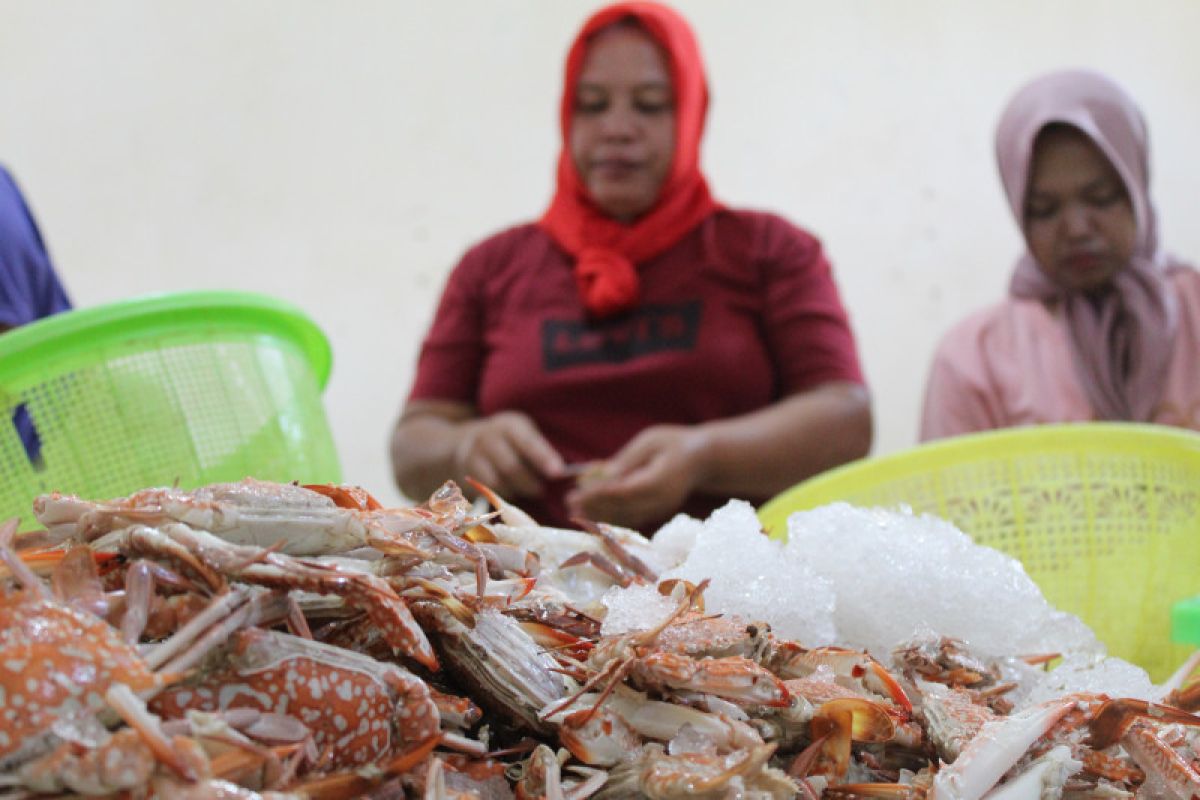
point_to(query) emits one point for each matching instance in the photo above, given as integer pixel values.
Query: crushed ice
(873, 579)
(634, 609)
(732, 551)
(895, 572)
(1089, 674)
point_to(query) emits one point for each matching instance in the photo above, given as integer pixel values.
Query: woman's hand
(436, 440)
(753, 456)
(507, 453)
(647, 480)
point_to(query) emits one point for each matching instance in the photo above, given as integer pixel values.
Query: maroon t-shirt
(741, 312)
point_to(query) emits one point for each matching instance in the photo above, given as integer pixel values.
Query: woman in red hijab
(666, 351)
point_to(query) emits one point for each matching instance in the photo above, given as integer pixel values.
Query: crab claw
(509, 514)
(597, 736)
(890, 685)
(353, 497)
(994, 750)
(842, 721)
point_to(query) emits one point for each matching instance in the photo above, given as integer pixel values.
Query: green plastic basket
(1105, 517)
(183, 388)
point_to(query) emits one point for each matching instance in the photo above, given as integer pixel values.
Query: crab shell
(651, 772)
(500, 664)
(360, 709)
(732, 678)
(57, 662)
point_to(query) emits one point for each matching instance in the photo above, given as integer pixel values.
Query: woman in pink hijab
(1099, 322)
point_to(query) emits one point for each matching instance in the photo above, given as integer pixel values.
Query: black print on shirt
(649, 329)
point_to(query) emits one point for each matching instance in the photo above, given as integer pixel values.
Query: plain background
(343, 156)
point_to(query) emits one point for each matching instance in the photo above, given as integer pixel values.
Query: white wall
(342, 156)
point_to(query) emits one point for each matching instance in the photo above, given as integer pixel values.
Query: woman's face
(623, 126)
(1079, 222)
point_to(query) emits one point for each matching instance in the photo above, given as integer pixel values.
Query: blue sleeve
(29, 287)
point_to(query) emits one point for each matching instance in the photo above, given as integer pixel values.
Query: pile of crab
(276, 640)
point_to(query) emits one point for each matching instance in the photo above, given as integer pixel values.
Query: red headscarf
(606, 250)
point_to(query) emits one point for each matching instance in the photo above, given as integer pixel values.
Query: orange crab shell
(733, 678)
(56, 661)
(360, 716)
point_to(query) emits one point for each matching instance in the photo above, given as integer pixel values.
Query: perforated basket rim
(1001, 445)
(42, 347)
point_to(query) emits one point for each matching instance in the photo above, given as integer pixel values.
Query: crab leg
(296, 619)
(509, 514)
(602, 563)
(589, 786)
(503, 558)
(993, 751)
(139, 592)
(261, 606)
(435, 780)
(625, 558)
(1116, 716)
(1043, 778)
(20, 570)
(351, 784)
(662, 778)
(1165, 769)
(1173, 692)
(394, 533)
(133, 710)
(220, 608)
(209, 554)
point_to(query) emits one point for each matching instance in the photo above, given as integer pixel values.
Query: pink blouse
(1011, 365)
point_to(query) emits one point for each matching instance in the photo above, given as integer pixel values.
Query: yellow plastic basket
(1105, 517)
(183, 388)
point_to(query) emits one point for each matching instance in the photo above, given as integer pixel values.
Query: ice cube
(638, 608)
(1092, 675)
(757, 578)
(676, 539)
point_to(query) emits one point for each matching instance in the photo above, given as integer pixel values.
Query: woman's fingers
(533, 448)
(647, 480)
(517, 477)
(508, 453)
(648, 489)
(625, 470)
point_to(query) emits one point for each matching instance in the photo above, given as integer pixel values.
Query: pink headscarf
(1122, 338)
